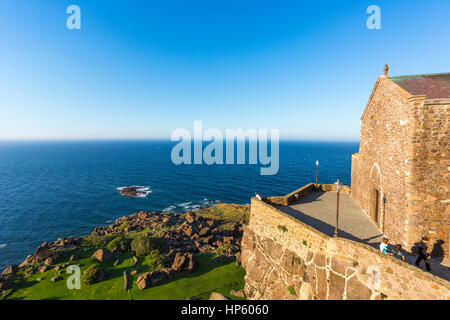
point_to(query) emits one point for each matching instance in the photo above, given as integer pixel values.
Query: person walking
(423, 255)
(398, 253)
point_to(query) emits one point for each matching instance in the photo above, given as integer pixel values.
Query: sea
(53, 189)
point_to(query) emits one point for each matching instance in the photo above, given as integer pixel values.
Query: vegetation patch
(222, 211)
(212, 275)
(142, 245)
(121, 242)
(93, 274)
(283, 228)
(291, 290)
(96, 241)
(154, 260)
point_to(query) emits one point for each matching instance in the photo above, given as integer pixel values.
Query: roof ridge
(422, 75)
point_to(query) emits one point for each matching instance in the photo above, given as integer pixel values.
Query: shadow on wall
(438, 251)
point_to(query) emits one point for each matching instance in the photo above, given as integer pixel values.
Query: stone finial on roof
(386, 69)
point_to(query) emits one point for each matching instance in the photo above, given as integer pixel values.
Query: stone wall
(287, 259)
(301, 192)
(404, 155)
(382, 162)
(429, 181)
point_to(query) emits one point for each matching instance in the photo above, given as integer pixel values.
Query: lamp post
(338, 187)
(317, 170)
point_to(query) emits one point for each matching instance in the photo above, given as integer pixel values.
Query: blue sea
(56, 189)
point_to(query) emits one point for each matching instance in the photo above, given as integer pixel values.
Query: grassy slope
(211, 275)
(225, 211)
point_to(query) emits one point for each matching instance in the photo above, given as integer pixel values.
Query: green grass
(225, 211)
(211, 276)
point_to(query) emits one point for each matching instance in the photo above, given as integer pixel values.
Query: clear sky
(140, 69)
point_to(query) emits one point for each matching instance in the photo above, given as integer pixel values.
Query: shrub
(95, 241)
(282, 228)
(92, 274)
(120, 242)
(154, 260)
(141, 245)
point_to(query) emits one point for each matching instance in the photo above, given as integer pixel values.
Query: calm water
(56, 189)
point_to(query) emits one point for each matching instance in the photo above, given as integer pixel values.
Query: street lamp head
(317, 163)
(338, 185)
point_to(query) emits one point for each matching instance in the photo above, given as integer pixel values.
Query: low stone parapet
(287, 259)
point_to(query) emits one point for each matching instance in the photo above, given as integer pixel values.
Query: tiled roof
(434, 86)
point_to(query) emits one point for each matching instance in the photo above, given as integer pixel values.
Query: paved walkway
(318, 210)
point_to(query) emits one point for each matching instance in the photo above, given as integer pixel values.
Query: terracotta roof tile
(434, 86)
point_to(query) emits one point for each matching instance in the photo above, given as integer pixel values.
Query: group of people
(397, 251)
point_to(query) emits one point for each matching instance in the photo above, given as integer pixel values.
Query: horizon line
(156, 139)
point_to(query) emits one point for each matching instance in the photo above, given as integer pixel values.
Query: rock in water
(134, 191)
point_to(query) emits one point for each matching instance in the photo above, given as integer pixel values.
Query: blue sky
(139, 70)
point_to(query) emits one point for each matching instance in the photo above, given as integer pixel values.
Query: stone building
(400, 176)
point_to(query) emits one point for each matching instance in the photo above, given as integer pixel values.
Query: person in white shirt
(384, 246)
(258, 196)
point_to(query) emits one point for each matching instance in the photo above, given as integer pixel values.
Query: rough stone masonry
(401, 175)
(287, 259)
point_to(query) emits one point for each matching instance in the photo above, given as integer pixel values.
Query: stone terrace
(318, 209)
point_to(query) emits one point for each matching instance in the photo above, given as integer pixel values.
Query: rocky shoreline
(179, 237)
